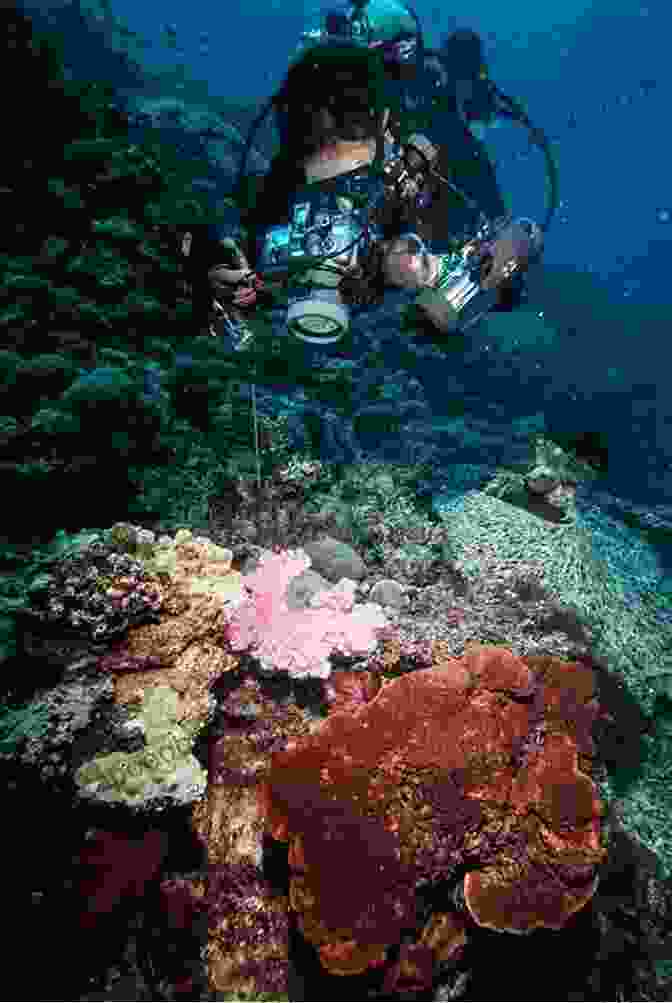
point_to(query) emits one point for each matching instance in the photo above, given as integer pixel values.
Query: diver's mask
(389, 25)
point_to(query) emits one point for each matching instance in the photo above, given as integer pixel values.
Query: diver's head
(389, 25)
(462, 54)
(332, 93)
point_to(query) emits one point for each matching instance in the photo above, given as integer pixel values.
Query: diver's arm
(267, 200)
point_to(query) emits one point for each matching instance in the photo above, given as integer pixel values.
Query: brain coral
(472, 771)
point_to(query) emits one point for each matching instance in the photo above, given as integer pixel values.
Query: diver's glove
(364, 285)
(235, 290)
(234, 282)
(358, 289)
(515, 248)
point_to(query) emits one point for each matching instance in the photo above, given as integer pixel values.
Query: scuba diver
(355, 203)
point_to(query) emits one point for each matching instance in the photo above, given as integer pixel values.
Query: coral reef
(97, 593)
(466, 772)
(164, 671)
(477, 766)
(116, 646)
(247, 918)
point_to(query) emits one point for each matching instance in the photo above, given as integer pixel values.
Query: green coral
(560, 463)
(21, 723)
(164, 561)
(227, 586)
(125, 776)
(132, 540)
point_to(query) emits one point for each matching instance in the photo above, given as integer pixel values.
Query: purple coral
(300, 641)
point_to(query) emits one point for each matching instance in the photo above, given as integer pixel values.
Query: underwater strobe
(460, 295)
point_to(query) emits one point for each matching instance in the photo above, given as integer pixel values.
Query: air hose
(514, 110)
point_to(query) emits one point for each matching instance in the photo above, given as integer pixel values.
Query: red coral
(113, 866)
(179, 904)
(524, 898)
(429, 777)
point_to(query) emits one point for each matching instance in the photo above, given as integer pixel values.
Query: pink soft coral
(300, 641)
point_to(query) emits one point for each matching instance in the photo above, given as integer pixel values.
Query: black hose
(514, 110)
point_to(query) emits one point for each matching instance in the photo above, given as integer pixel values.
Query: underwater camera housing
(326, 237)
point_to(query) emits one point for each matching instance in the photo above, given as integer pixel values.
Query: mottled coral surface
(476, 771)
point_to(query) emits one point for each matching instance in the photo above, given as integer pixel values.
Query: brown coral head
(498, 669)
(520, 899)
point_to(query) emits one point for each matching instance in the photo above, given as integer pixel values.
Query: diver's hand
(511, 252)
(236, 286)
(247, 295)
